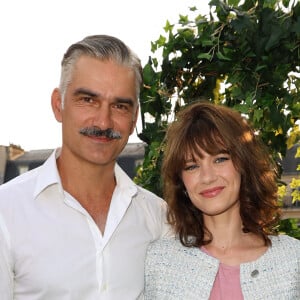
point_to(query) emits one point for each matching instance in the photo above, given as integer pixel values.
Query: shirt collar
(123, 181)
(48, 175)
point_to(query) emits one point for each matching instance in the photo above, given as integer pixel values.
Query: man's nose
(103, 117)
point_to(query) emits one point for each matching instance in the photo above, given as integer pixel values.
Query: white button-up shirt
(50, 247)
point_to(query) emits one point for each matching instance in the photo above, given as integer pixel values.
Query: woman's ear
(56, 103)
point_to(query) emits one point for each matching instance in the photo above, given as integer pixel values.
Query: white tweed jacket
(177, 272)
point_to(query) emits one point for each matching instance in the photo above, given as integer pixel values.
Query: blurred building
(15, 161)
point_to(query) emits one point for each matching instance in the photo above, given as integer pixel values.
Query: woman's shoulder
(173, 271)
(162, 247)
(171, 248)
(169, 244)
(283, 239)
(285, 243)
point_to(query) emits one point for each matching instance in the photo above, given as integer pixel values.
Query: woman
(220, 184)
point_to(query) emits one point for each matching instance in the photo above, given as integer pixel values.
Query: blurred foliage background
(244, 54)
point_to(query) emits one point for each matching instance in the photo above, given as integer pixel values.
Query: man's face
(101, 95)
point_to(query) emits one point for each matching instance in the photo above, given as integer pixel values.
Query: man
(78, 227)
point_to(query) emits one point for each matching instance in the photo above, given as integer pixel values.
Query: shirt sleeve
(6, 273)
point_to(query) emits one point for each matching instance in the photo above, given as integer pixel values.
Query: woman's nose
(207, 174)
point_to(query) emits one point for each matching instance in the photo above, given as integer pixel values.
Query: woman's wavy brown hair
(215, 128)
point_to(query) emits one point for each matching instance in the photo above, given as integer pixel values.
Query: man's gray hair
(103, 47)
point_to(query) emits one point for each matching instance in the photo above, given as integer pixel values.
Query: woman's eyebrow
(189, 160)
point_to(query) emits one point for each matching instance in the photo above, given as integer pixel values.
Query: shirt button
(254, 273)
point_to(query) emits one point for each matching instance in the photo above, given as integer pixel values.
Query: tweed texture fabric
(177, 272)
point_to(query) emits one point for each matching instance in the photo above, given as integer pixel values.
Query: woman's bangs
(207, 140)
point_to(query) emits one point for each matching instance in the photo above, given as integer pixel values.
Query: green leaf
(274, 39)
(204, 56)
(233, 2)
(258, 115)
(168, 27)
(260, 67)
(241, 108)
(148, 74)
(161, 41)
(184, 20)
(296, 26)
(222, 57)
(269, 3)
(286, 3)
(206, 42)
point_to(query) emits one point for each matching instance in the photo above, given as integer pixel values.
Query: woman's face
(212, 183)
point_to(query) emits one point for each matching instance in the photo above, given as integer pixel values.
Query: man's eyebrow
(125, 100)
(84, 91)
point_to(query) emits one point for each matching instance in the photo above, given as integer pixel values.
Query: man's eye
(87, 99)
(121, 106)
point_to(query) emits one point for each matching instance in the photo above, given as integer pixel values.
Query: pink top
(227, 284)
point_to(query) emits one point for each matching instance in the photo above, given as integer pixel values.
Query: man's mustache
(97, 132)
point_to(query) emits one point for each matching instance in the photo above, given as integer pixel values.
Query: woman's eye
(221, 159)
(190, 168)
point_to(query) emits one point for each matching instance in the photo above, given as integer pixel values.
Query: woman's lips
(210, 193)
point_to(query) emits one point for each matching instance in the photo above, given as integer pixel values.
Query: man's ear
(56, 103)
(135, 118)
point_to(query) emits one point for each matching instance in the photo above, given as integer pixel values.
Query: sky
(35, 34)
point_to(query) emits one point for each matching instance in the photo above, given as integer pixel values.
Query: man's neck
(91, 185)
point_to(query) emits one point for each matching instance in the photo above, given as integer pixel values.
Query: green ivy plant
(244, 54)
